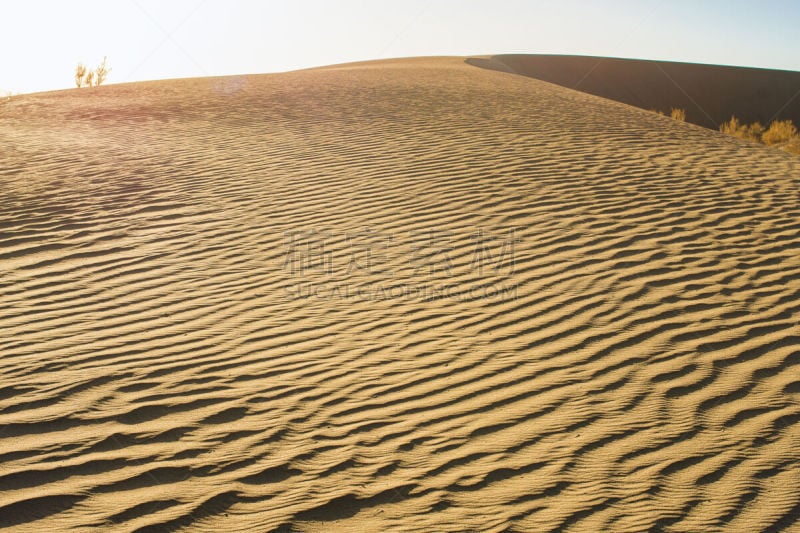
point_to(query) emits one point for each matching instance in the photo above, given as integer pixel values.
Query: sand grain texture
(162, 368)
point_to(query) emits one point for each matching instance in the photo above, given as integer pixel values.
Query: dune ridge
(167, 365)
(710, 94)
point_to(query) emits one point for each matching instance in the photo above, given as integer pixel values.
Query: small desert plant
(80, 74)
(751, 132)
(779, 132)
(732, 127)
(91, 78)
(678, 114)
(658, 112)
(101, 72)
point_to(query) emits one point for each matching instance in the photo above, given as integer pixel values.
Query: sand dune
(408, 295)
(710, 94)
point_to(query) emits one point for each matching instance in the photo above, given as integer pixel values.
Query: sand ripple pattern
(162, 371)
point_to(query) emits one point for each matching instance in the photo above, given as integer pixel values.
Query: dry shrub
(779, 132)
(751, 132)
(754, 132)
(732, 127)
(80, 74)
(91, 78)
(678, 114)
(101, 72)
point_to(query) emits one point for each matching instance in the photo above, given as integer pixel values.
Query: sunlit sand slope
(710, 94)
(409, 295)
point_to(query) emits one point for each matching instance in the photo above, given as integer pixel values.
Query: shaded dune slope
(710, 94)
(162, 370)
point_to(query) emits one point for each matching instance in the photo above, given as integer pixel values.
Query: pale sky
(42, 40)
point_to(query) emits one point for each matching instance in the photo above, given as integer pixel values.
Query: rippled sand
(409, 295)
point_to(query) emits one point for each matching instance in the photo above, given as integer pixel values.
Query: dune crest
(710, 94)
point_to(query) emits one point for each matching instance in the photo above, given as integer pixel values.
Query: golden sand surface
(408, 295)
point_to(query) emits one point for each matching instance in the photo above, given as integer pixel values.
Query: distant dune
(710, 94)
(407, 295)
